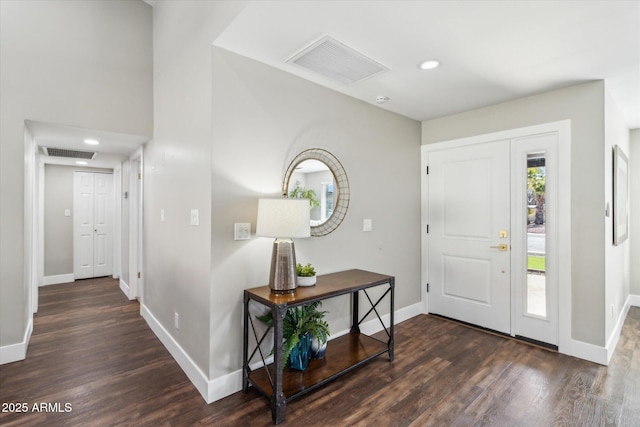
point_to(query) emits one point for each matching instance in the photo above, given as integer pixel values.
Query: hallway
(93, 361)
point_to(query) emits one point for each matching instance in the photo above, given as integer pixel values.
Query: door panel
(92, 225)
(469, 276)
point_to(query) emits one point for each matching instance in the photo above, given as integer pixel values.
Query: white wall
(584, 106)
(177, 174)
(617, 268)
(634, 215)
(77, 63)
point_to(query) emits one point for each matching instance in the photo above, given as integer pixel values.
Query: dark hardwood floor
(95, 357)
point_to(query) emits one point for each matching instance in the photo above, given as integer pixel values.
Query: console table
(343, 354)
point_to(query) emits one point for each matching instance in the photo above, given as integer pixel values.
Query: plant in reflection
(300, 192)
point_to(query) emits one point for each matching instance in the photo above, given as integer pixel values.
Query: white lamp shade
(283, 218)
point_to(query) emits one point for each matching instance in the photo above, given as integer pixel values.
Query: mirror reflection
(313, 180)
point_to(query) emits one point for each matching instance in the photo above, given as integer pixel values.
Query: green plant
(298, 321)
(303, 193)
(305, 270)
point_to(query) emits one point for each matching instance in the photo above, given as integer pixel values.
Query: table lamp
(283, 219)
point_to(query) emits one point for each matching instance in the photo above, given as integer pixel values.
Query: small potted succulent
(306, 275)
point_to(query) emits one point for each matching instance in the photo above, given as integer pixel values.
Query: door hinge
(138, 274)
(427, 170)
(427, 288)
(139, 175)
(427, 228)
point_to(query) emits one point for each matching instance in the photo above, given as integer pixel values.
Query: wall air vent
(73, 154)
(337, 61)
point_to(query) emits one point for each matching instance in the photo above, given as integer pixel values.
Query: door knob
(501, 247)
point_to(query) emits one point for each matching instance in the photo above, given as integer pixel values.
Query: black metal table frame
(278, 400)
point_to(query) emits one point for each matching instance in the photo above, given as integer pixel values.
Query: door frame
(563, 130)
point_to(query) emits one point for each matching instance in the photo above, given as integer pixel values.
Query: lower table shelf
(343, 354)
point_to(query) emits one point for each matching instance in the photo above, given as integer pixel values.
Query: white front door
(491, 251)
(469, 219)
(92, 225)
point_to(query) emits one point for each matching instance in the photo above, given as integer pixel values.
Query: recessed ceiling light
(80, 162)
(382, 99)
(429, 65)
(91, 142)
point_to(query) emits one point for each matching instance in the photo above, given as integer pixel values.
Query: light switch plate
(367, 225)
(67, 212)
(242, 231)
(194, 217)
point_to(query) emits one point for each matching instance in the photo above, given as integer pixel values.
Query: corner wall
(617, 261)
(584, 106)
(634, 214)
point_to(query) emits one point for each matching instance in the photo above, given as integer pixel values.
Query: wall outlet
(367, 225)
(176, 320)
(161, 215)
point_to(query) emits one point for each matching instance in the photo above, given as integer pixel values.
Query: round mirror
(317, 175)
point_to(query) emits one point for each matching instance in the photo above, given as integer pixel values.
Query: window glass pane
(536, 236)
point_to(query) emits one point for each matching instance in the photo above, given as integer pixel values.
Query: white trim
(582, 350)
(57, 279)
(124, 287)
(617, 330)
(15, 352)
(634, 300)
(195, 374)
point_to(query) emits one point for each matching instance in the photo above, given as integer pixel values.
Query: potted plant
(306, 275)
(299, 325)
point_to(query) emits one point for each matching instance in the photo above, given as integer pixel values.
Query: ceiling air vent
(73, 154)
(337, 61)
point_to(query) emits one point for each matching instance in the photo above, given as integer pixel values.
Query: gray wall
(266, 117)
(584, 106)
(58, 229)
(634, 180)
(77, 63)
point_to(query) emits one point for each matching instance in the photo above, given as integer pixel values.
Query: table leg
(278, 400)
(245, 347)
(391, 341)
(354, 313)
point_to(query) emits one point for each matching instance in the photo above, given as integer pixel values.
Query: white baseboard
(59, 278)
(195, 374)
(15, 352)
(598, 354)
(220, 387)
(125, 289)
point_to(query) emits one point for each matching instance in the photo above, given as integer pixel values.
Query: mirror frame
(341, 183)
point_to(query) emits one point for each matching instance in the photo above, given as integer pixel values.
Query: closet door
(92, 225)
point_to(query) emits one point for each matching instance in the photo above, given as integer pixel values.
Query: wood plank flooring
(90, 349)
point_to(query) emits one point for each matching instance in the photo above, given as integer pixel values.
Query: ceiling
(113, 147)
(490, 51)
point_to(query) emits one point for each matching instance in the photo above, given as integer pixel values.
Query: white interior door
(468, 245)
(92, 225)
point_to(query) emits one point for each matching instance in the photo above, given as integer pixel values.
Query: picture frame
(620, 196)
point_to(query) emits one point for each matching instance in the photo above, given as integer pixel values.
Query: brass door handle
(501, 247)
